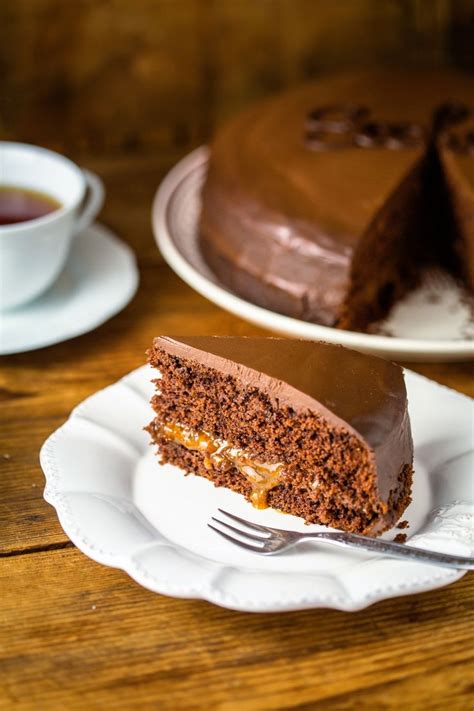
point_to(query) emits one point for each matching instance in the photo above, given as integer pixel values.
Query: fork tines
(244, 535)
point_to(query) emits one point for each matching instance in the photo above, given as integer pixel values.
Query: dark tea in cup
(20, 204)
(45, 201)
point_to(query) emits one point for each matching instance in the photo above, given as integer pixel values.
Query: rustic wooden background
(95, 76)
(127, 87)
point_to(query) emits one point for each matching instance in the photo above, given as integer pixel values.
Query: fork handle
(394, 550)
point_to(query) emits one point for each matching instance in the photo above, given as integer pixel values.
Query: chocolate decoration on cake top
(349, 126)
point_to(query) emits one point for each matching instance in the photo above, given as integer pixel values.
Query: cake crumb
(403, 524)
(400, 538)
(93, 607)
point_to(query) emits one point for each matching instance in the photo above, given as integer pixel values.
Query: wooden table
(76, 635)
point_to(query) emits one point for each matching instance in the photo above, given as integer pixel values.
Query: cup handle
(93, 202)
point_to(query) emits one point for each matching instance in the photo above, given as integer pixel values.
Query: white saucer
(433, 324)
(123, 509)
(98, 281)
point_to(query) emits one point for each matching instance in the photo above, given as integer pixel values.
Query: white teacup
(33, 253)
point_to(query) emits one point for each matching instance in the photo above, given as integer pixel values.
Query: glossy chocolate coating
(288, 198)
(359, 393)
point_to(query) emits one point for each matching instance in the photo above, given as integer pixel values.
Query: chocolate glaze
(359, 393)
(282, 224)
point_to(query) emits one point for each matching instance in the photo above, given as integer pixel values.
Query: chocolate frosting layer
(362, 394)
(283, 214)
(456, 149)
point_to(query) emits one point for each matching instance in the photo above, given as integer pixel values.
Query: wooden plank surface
(127, 88)
(87, 637)
(75, 635)
(107, 75)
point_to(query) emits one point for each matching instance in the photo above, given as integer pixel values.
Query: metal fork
(275, 540)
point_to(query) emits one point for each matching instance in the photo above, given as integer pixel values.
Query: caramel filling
(219, 454)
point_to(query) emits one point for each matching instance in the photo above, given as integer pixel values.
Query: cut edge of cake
(249, 432)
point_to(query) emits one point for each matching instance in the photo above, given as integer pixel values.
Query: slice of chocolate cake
(311, 429)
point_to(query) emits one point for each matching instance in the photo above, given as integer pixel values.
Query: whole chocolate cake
(311, 429)
(326, 203)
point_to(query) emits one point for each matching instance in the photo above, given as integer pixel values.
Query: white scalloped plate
(434, 323)
(123, 509)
